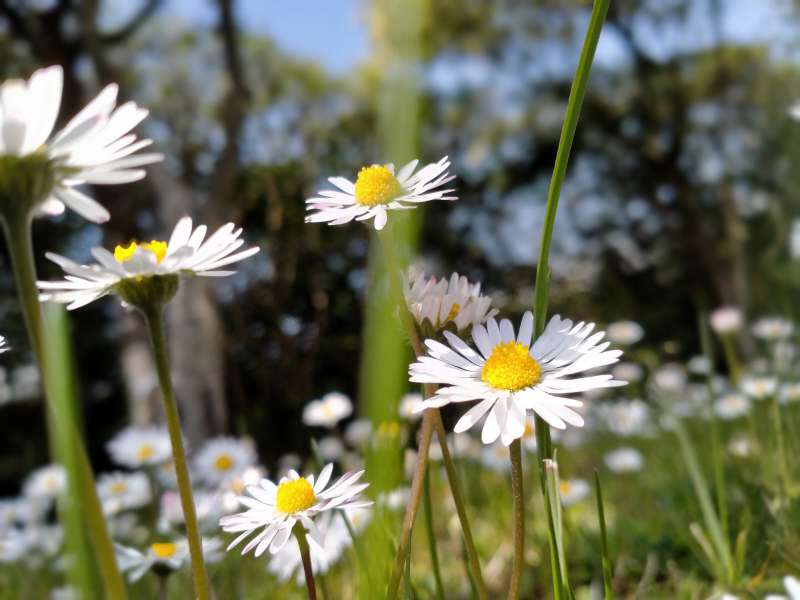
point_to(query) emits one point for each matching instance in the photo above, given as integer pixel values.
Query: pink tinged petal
(473, 415)
(52, 207)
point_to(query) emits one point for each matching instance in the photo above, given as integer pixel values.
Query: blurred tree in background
(680, 193)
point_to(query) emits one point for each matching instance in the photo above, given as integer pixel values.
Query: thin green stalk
(461, 508)
(518, 501)
(608, 578)
(305, 554)
(717, 454)
(426, 499)
(729, 350)
(542, 285)
(783, 465)
(155, 326)
(63, 431)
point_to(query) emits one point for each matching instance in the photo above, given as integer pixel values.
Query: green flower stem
(394, 273)
(305, 554)
(437, 575)
(155, 325)
(403, 545)
(576, 95)
(783, 465)
(461, 508)
(63, 431)
(518, 500)
(729, 350)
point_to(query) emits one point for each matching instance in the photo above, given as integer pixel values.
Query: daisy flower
(772, 328)
(759, 387)
(377, 190)
(731, 406)
(624, 460)
(625, 417)
(120, 491)
(509, 375)
(223, 458)
(127, 270)
(624, 333)
(437, 303)
(46, 483)
(275, 509)
(407, 409)
(137, 447)
(95, 147)
(726, 320)
(327, 411)
(162, 557)
(573, 491)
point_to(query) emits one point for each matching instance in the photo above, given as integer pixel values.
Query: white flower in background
(435, 303)
(223, 458)
(65, 592)
(94, 147)
(46, 483)
(464, 446)
(509, 376)
(358, 432)
(289, 461)
(771, 329)
(377, 190)
(670, 377)
(624, 333)
(14, 544)
(120, 491)
(163, 556)
(624, 460)
(208, 506)
(495, 457)
(794, 240)
(731, 406)
(789, 392)
(331, 448)
(758, 387)
(409, 407)
(22, 511)
(137, 447)
(625, 417)
(792, 585)
(3, 345)
(187, 253)
(287, 562)
(726, 320)
(235, 487)
(628, 371)
(699, 365)
(794, 111)
(327, 411)
(396, 499)
(572, 491)
(741, 447)
(275, 509)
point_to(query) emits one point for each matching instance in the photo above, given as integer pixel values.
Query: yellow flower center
(125, 253)
(118, 487)
(164, 549)
(146, 452)
(376, 185)
(510, 367)
(295, 495)
(564, 487)
(223, 463)
(454, 310)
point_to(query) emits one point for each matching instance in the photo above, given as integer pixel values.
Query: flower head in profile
(275, 509)
(377, 190)
(163, 557)
(328, 410)
(510, 375)
(454, 303)
(223, 458)
(119, 491)
(142, 273)
(137, 447)
(726, 320)
(95, 147)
